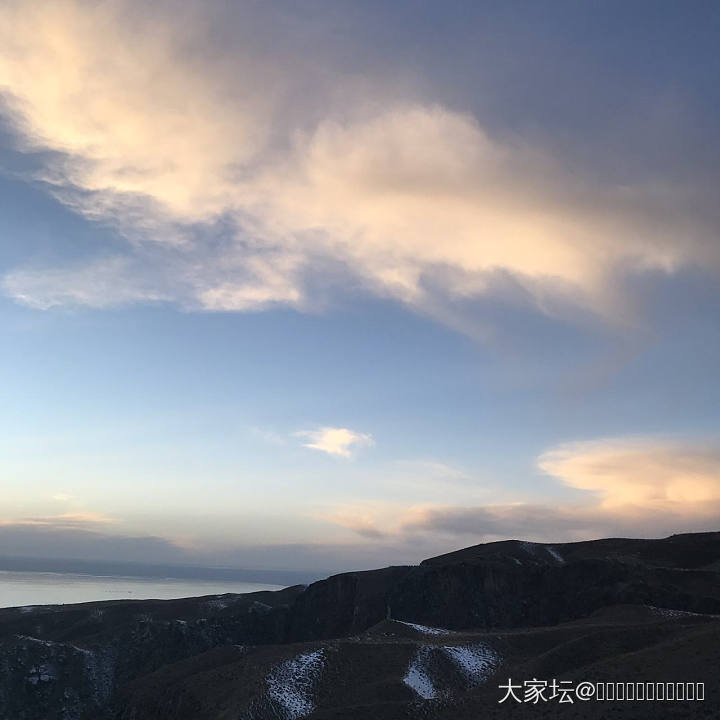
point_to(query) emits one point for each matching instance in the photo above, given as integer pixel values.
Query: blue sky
(333, 285)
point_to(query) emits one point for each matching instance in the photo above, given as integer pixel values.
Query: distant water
(44, 588)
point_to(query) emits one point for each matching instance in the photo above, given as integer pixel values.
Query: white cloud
(166, 137)
(102, 283)
(335, 441)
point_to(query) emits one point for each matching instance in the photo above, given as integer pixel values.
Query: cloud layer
(640, 487)
(80, 540)
(235, 197)
(630, 487)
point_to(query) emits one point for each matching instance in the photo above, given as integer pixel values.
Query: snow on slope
(424, 629)
(669, 613)
(417, 677)
(476, 662)
(556, 554)
(50, 657)
(291, 683)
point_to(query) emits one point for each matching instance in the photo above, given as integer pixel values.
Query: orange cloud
(631, 486)
(159, 135)
(647, 473)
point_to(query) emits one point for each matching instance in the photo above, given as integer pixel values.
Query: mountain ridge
(380, 638)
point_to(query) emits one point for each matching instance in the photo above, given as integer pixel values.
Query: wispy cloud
(266, 435)
(102, 283)
(363, 520)
(335, 441)
(232, 203)
(629, 486)
(63, 521)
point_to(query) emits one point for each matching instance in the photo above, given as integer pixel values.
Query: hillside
(431, 641)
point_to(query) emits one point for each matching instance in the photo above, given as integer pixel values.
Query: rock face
(517, 584)
(366, 640)
(70, 661)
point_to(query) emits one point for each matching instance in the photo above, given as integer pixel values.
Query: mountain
(429, 641)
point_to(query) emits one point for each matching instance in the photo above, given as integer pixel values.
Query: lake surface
(44, 588)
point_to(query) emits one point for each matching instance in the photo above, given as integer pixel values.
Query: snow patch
(41, 673)
(669, 613)
(556, 555)
(417, 677)
(220, 602)
(28, 638)
(476, 662)
(53, 644)
(217, 604)
(99, 667)
(258, 606)
(424, 629)
(291, 683)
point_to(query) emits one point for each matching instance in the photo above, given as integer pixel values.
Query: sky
(336, 285)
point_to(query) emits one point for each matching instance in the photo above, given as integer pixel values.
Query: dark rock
(202, 657)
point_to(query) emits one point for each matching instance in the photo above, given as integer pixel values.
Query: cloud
(373, 520)
(136, 113)
(109, 282)
(266, 435)
(653, 474)
(381, 193)
(629, 487)
(66, 538)
(237, 197)
(61, 542)
(361, 520)
(430, 472)
(335, 441)
(558, 523)
(64, 521)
